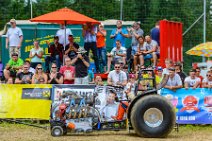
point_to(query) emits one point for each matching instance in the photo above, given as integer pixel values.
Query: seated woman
(39, 77)
(55, 77)
(139, 54)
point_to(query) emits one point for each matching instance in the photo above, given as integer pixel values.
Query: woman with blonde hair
(36, 54)
(39, 77)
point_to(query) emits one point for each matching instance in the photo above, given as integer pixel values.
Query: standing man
(135, 32)
(63, 38)
(14, 37)
(89, 34)
(101, 45)
(155, 33)
(56, 53)
(119, 34)
(81, 62)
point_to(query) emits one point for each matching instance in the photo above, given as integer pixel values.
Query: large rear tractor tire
(153, 116)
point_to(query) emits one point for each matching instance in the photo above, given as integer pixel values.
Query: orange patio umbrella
(64, 16)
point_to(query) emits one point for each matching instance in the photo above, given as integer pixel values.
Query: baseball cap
(132, 75)
(12, 21)
(159, 68)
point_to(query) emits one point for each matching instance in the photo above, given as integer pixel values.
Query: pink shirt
(68, 72)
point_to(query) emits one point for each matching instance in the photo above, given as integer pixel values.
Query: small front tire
(57, 131)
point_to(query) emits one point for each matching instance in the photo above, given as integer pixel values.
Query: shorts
(134, 50)
(148, 56)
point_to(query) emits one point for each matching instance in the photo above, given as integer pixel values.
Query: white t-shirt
(205, 80)
(13, 34)
(122, 50)
(61, 34)
(192, 82)
(109, 110)
(175, 81)
(117, 77)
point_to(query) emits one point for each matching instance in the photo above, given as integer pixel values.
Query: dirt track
(21, 133)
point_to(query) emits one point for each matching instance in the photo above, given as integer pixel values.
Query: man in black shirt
(56, 53)
(81, 62)
(24, 77)
(71, 48)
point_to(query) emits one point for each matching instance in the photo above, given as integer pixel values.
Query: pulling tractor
(148, 114)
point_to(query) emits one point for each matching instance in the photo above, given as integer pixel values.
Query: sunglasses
(117, 67)
(39, 68)
(208, 75)
(25, 67)
(54, 67)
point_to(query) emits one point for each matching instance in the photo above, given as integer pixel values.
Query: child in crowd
(130, 87)
(98, 80)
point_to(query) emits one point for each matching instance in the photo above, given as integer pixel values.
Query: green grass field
(17, 132)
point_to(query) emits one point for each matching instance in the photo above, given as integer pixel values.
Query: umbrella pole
(64, 46)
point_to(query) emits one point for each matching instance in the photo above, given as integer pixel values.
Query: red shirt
(68, 72)
(100, 40)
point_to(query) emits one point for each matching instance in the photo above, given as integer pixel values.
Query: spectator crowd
(69, 64)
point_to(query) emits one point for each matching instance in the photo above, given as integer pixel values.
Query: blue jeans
(92, 46)
(101, 53)
(49, 59)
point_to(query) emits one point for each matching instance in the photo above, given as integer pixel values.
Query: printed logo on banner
(193, 106)
(36, 93)
(190, 104)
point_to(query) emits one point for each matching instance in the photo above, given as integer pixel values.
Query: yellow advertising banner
(25, 101)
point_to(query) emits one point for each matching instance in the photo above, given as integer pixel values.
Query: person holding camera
(81, 62)
(13, 66)
(36, 54)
